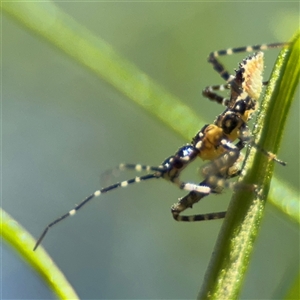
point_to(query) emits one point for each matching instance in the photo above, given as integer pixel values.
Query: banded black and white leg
(213, 56)
(96, 194)
(110, 174)
(245, 138)
(216, 174)
(194, 197)
(170, 170)
(188, 201)
(209, 92)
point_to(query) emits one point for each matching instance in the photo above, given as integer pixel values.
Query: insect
(214, 142)
(245, 88)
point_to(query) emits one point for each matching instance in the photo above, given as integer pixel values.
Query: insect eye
(240, 107)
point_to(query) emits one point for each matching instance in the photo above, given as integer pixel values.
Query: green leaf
(294, 291)
(23, 242)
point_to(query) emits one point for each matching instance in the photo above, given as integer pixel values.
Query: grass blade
(22, 242)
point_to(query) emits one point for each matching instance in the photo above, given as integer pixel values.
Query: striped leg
(270, 155)
(92, 196)
(115, 172)
(245, 137)
(209, 93)
(216, 175)
(170, 170)
(187, 202)
(212, 58)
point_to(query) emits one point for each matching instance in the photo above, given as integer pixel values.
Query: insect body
(214, 142)
(245, 88)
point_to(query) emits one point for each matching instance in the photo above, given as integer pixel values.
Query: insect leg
(209, 93)
(92, 196)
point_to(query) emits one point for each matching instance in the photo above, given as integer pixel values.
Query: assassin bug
(214, 142)
(245, 88)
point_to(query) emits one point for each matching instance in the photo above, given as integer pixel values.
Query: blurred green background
(62, 127)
